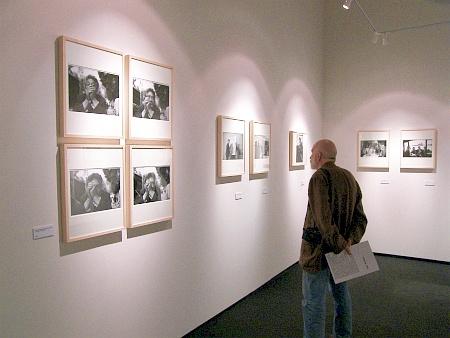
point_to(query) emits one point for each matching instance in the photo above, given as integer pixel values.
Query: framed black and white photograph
(230, 146)
(149, 101)
(150, 185)
(259, 147)
(296, 150)
(92, 181)
(91, 93)
(373, 149)
(418, 149)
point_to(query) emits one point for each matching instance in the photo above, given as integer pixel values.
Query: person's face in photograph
(150, 183)
(149, 98)
(91, 87)
(94, 187)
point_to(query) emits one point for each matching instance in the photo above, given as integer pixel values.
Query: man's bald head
(327, 148)
(323, 151)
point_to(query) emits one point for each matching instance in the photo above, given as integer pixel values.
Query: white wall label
(238, 195)
(42, 231)
(385, 182)
(429, 183)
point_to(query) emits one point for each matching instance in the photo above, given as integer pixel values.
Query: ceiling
(388, 15)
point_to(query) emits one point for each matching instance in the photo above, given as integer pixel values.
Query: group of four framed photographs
(418, 149)
(231, 147)
(115, 137)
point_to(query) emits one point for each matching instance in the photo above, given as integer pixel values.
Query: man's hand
(348, 247)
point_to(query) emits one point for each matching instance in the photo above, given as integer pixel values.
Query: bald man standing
(334, 221)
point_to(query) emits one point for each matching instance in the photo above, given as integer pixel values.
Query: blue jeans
(314, 287)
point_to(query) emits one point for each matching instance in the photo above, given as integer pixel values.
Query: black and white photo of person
(112, 185)
(373, 148)
(93, 91)
(299, 149)
(150, 191)
(150, 100)
(418, 148)
(93, 190)
(148, 108)
(162, 100)
(151, 184)
(232, 146)
(261, 145)
(164, 182)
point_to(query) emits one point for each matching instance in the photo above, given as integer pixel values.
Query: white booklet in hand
(345, 267)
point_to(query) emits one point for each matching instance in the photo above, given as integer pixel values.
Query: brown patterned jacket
(334, 215)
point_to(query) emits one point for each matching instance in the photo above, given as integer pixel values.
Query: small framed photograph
(296, 152)
(150, 185)
(418, 149)
(259, 147)
(92, 181)
(90, 90)
(373, 149)
(149, 101)
(230, 146)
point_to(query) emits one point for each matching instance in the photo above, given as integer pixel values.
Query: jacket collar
(328, 164)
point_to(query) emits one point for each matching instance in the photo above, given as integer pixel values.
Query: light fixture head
(347, 4)
(384, 39)
(376, 37)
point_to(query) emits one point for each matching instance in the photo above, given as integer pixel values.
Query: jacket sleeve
(322, 214)
(359, 221)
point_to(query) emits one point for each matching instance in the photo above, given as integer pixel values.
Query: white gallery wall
(400, 86)
(254, 60)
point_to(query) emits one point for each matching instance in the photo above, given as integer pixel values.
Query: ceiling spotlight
(376, 37)
(384, 39)
(347, 4)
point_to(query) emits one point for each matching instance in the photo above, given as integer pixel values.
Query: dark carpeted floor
(406, 298)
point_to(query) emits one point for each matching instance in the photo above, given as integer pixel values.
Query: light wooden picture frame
(150, 92)
(149, 185)
(418, 149)
(230, 146)
(373, 149)
(92, 180)
(260, 147)
(296, 150)
(90, 91)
